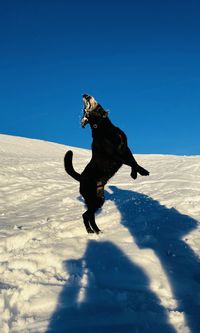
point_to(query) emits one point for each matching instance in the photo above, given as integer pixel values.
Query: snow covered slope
(141, 275)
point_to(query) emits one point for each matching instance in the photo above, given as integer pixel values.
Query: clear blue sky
(140, 59)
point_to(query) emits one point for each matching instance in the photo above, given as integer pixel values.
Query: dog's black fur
(109, 151)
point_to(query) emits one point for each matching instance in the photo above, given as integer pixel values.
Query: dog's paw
(99, 232)
(142, 171)
(134, 174)
(89, 230)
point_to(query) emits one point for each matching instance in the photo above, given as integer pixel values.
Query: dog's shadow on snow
(166, 232)
(106, 292)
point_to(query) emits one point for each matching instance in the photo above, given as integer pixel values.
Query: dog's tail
(69, 166)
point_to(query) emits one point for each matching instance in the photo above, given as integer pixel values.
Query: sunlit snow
(142, 274)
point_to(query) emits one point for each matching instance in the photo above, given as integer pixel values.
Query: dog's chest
(107, 142)
(103, 145)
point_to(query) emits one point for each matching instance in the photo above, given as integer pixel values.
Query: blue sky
(140, 59)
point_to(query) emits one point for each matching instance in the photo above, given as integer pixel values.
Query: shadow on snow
(106, 292)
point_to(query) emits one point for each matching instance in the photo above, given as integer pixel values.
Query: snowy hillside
(141, 275)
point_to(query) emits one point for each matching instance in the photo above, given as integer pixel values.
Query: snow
(142, 274)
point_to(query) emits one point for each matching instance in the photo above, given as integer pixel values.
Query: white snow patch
(141, 275)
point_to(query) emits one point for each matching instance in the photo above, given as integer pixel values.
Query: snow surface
(141, 275)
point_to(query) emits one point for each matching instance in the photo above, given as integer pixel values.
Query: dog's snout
(85, 96)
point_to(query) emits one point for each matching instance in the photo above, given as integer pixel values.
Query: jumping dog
(109, 152)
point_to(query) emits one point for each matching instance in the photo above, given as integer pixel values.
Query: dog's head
(92, 111)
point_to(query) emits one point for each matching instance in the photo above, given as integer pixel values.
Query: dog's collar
(95, 126)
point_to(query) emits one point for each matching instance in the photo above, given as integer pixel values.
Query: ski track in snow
(142, 274)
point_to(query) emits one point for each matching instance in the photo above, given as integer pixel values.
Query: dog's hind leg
(97, 203)
(89, 222)
(86, 222)
(93, 193)
(93, 223)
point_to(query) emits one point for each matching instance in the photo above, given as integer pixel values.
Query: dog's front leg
(129, 160)
(135, 167)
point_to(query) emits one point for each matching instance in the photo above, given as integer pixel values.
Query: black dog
(109, 152)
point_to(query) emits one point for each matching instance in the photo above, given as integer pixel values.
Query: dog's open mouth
(86, 102)
(84, 119)
(89, 104)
